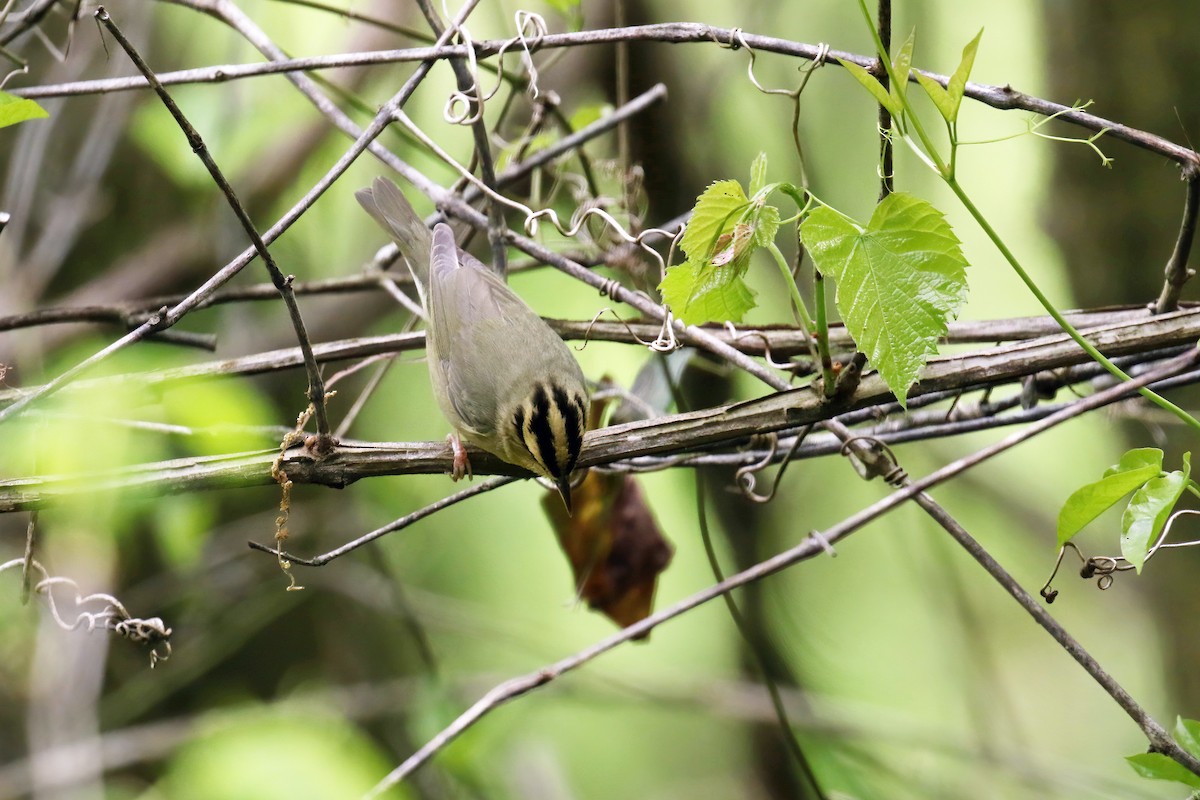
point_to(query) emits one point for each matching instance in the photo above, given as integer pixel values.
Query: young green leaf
(1157, 766)
(1187, 733)
(758, 174)
(958, 81)
(716, 212)
(881, 95)
(1148, 511)
(725, 229)
(15, 109)
(899, 281)
(1137, 459)
(698, 294)
(901, 65)
(1090, 501)
(764, 225)
(939, 96)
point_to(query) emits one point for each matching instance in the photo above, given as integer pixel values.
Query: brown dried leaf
(732, 246)
(613, 544)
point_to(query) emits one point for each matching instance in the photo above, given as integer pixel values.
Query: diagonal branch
(817, 544)
(316, 384)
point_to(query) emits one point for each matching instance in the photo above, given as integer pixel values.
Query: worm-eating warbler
(504, 380)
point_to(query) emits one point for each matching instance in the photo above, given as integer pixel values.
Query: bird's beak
(563, 485)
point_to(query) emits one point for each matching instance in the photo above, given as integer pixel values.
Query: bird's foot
(462, 464)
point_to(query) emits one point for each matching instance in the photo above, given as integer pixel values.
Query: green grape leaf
(716, 212)
(1137, 459)
(1187, 733)
(901, 65)
(1157, 766)
(703, 293)
(1090, 501)
(958, 81)
(725, 229)
(758, 174)
(764, 223)
(1148, 511)
(881, 95)
(899, 281)
(15, 109)
(939, 96)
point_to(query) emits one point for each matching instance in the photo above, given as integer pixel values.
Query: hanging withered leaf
(613, 544)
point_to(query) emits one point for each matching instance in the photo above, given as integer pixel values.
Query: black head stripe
(519, 422)
(572, 422)
(541, 427)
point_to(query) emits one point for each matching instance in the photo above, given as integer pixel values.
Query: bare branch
(1000, 97)
(675, 434)
(813, 545)
(1177, 272)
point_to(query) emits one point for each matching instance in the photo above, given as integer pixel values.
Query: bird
(504, 380)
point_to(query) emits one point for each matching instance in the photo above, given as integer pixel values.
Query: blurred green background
(907, 671)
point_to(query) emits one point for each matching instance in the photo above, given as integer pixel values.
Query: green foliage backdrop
(904, 669)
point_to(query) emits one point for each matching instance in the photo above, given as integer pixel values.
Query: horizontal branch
(1126, 331)
(135, 311)
(676, 434)
(782, 341)
(1000, 97)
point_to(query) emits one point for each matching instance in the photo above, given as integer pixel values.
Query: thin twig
(1000, 97)
(781, 715)
(780, 341)
(365, 139)
(1177, 273)
(27, 559)
(316, 385)
(468, 85)
(112, 314)
(26, 19)
(399, 524)
(574, 141)
(814, 545)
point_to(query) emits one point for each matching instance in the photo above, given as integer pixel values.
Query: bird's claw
(462, 464)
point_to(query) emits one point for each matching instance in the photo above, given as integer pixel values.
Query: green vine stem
(803, 318)
(830, 381)
(928, 153)
(1071, 331)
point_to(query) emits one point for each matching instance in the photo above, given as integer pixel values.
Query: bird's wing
(482, 333)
